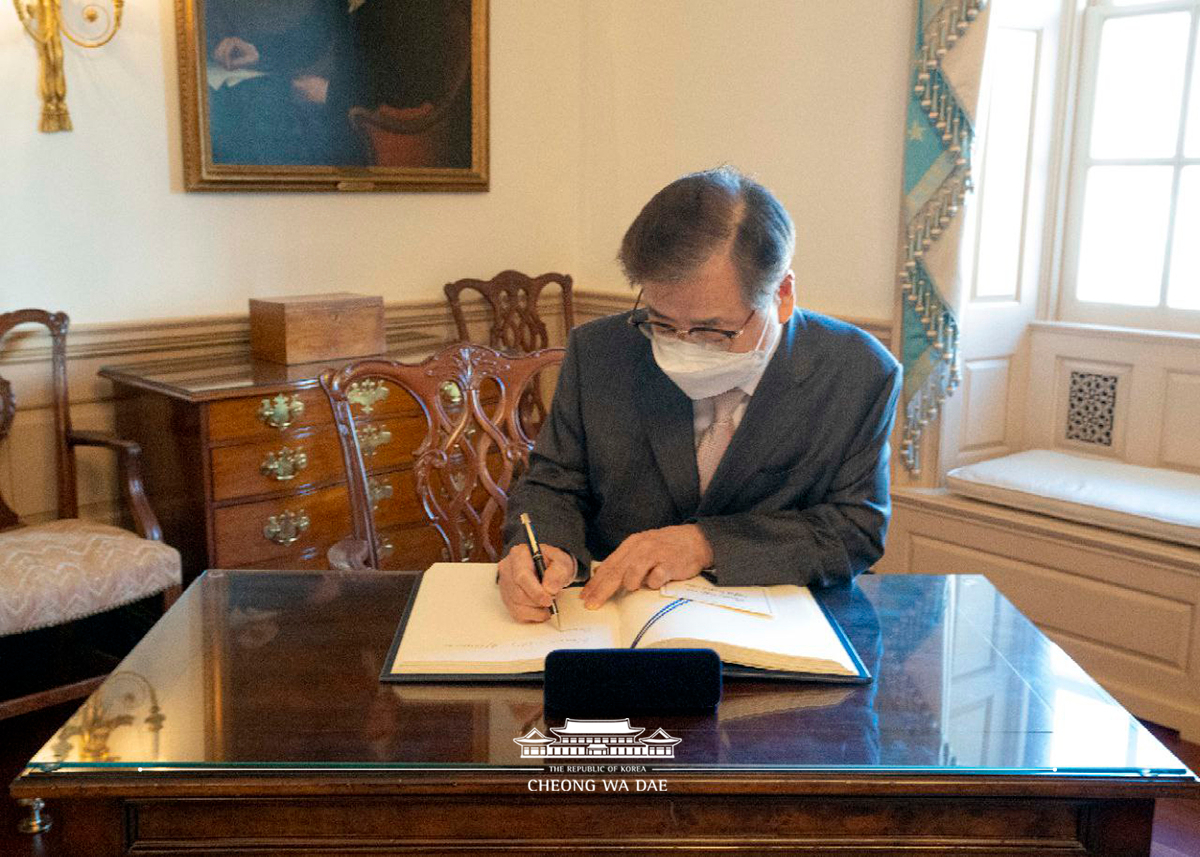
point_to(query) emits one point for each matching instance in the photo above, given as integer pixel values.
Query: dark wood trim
(131, 376)
(46, 698)
(674, 825)
(129, 464)
(385, 780)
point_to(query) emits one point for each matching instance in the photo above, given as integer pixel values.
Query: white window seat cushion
(1146, 501)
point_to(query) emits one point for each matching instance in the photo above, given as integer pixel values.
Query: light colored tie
(717, 436)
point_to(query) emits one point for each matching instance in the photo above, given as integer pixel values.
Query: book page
(219, 76)
(459, 624)
(797, 637)
(752, 599)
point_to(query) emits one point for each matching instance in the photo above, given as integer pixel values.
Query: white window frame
(1087, 43)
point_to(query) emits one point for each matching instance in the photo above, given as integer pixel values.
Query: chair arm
(129, 462)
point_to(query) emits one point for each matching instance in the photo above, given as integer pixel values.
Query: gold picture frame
(313, 95)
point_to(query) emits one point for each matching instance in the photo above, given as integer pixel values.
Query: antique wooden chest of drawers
(243, 466)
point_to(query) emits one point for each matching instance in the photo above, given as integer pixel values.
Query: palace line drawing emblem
(597, 739)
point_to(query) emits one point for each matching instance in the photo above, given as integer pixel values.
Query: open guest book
(456, 628)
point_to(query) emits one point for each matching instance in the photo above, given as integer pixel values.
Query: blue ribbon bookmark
(678, 602)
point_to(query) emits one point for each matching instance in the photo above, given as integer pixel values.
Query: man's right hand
(526, 599)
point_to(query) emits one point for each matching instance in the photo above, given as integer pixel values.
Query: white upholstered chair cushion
(1146, 501)
(64, 570)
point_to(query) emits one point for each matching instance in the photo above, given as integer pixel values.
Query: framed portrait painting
(327, 95)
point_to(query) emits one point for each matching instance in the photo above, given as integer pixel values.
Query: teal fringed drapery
(947, 65)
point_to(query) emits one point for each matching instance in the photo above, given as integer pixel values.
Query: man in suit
(716, 427)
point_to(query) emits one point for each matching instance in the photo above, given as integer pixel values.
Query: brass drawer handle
(379, 489)
(281, 411)
(367, 394)
(285, 464)
(286, 528)
(370, 438)
(384, 546)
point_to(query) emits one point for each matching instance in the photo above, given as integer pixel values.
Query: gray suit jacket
(801, 495)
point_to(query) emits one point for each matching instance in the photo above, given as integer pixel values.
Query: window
(1003, 163)
(1131, 252)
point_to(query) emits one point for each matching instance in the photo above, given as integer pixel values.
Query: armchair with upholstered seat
(476, 443)
(57, 573)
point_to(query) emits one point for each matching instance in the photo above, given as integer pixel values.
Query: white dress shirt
(703, 410)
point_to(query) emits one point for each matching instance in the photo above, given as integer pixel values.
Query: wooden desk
(256, 722)
(243, 467)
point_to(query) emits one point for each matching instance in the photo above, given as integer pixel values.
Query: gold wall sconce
(109, 708)
(43, 20)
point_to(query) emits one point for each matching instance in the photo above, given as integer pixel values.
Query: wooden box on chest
(306, 328)
(243, 465)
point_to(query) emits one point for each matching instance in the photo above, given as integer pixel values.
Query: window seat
(1144, 501)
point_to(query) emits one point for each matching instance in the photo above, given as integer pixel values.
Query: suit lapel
(666, 415)
(759, 431)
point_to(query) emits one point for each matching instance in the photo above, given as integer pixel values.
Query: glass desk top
(279, 671)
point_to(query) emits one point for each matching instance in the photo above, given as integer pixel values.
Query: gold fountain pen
(539, 564)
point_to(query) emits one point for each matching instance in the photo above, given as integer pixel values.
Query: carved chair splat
(516, 324)
(476, 443)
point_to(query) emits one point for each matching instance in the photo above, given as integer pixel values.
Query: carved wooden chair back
(56, 323)
(516, 325)
(475, 444)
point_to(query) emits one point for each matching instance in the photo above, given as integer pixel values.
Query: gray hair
(683, 224)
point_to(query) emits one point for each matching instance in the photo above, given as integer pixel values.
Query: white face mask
(704, 372)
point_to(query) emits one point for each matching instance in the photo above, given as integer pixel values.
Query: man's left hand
(651, 559)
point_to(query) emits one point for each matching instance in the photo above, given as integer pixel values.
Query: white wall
(95, 221)
(594, 105)
(808, 95)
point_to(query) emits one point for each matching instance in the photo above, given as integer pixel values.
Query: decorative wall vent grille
(1091, 406)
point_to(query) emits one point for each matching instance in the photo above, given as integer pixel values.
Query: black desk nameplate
(626, 682)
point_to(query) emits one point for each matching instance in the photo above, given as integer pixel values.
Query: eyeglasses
(715, 338)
